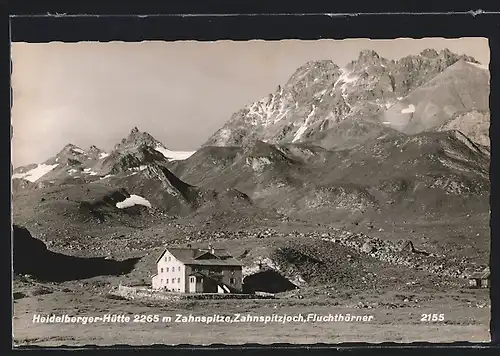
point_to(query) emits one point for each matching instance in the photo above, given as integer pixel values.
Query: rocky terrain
(372, 178)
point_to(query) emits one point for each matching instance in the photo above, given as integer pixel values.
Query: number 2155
(432, 317)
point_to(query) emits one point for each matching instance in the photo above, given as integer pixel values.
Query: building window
(232, 281)
(161, 281)
(167, 269)
(166, 281)
(179, 268)
(169, 258)
(192, 279)
(161, 270)
(178, 280)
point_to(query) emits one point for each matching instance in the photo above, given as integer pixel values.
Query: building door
(192, 284)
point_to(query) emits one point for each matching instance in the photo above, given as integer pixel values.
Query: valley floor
(466, 318)
(396, 296)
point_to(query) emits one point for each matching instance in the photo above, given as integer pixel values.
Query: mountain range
(384, 139)
(414, 94)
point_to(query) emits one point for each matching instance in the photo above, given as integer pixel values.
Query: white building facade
(186, 270)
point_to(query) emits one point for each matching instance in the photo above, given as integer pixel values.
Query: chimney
(211, 249)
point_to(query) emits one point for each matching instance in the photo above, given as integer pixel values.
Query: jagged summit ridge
(320, 94)
(71, 147)
(136, 138)
(135, 151)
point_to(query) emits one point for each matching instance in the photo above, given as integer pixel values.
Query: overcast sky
(181, 92)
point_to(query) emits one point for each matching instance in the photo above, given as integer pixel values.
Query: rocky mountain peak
(137, 138)
(449, 57)
(429, 53)
(445, 53)
(94, 149)
(135, 133)
(313, 71)
(367, 59)
(368, 54)
(69, 146)
(318, 64)
(320, 95)
(69, 153)
(71, 149)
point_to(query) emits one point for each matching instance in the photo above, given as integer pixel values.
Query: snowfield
(103, 155)
(304, 126)
(174, 155)
(133, 200)
(89, 172)
(36, 173)
(409, 110)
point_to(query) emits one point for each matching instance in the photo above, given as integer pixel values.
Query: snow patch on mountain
(174, 155)
(78, 150)
(345, 78)
(36, 173)
(133, 200)
(89, 172)
(304, 126)
(281, 114)
(409, 110)
(268, 110)
(103, 155)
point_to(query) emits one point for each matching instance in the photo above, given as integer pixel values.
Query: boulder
(367, 247)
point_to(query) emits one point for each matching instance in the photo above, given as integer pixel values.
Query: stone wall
(133, 293)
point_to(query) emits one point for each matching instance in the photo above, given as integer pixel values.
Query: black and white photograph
(235, 192)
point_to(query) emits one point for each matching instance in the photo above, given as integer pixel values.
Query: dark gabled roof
(179, 253)
(215, 262)
(205, 255)
(220, 252)
(189, 256)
